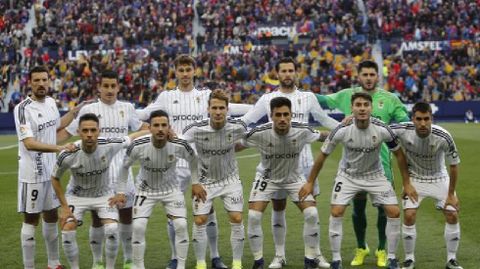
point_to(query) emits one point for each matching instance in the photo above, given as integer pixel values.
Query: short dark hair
(109, 74)
(279, 102)
(88, 116)
(159, 113)
(363, 95)
(218, 94)
(368, 64)
(285, 60)
(37, 69)
(423, 107)
(184, 59)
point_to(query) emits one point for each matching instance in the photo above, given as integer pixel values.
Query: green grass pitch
(430, 251)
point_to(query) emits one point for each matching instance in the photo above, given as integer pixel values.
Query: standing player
(157, 183)
(280, 144)
(360, 170)
(116, 118)
(37, 121)
(304, 104)
(185, 105)
(427, 146)
(387, 107)
(89, 187)
(215, 140)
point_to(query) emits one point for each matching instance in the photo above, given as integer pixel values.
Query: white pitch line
(9, 147)
(239, 157)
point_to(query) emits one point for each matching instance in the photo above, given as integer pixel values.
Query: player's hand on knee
(304, 191)
(452, 200)
(67, 217)
(199, 192)
(410, 192)
(119, 200)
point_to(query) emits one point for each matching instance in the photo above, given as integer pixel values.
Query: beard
(287, 83)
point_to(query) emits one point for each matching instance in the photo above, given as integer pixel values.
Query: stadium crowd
(165, 29)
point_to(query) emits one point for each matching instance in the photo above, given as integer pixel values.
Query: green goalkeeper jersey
(386, 107)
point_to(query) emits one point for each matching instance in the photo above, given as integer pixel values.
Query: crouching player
(427, 146)
(157, 183)
(88, 188)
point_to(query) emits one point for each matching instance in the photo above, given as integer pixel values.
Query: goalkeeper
(387, 107)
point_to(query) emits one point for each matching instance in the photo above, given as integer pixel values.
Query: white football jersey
(361, 148)
(280, 154)
(216, 150)
(426, 156)
(304, 104)
(157, 174)
(40, 121)
(183, 108)
(90, 171)
(115, 121)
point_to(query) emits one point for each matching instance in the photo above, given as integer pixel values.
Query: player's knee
(96, 221)
(392, 211)
(279, 205)
(200, 220)
(254, 217)
(409, 216)
(50, 216)
(236, 217)
(180, 225)
(111, 230)
(310, 215)
(32, 219)
(337, 212)
(451, 216)
(69, 226)
(139, 227)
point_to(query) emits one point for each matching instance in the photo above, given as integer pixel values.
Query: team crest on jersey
(270, 144)
(22, 130)
(103, 159)
(432, 147)
(299, 101)
(198, 99)
(229, 137)
(171, 158)
(99, 116)
(122, 114)
(40, 115)
(374, 139)
(175, 101)
(147, 159)
(205, 139)
(294, 141)
(380, 104)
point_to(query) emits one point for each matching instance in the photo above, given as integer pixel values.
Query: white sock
(138, 242)
(311, 232)
(237, 240)
(70, 248)
(392, 231)
(181, 241)
(27, 237)
(452, 239)
(409, 234)
(279, 231)
(335, 234)
(199, 239)
(111, 244)
(50, 235)
(171, 238)
(212, 234)
(255, 233)
(96, 236)
(125, 233)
